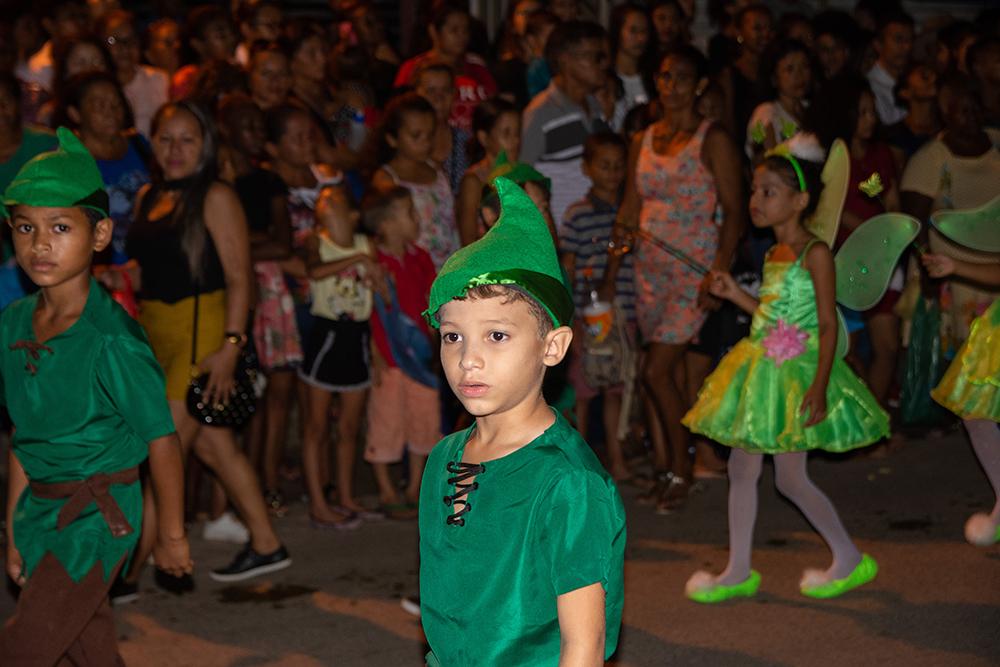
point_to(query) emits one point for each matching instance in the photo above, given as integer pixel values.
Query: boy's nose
(471, 358)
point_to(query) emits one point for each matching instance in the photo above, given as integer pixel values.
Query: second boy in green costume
(522, 532)
(88, 404)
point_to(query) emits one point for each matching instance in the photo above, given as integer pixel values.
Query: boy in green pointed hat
(521, 564)
(88, 404)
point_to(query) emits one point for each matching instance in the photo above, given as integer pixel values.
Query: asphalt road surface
(936, 600)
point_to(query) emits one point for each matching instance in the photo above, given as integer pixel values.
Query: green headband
(782, 151)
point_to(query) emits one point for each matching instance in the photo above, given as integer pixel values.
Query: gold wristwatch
(236, 338)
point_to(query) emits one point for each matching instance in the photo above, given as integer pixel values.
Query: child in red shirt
(404, 409)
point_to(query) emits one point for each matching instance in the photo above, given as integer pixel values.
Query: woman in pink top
(684, 171)
(449, 32)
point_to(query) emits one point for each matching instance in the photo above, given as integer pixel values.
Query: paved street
(936, 600)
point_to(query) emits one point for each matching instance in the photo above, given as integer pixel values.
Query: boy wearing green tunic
(88, 404)
(522, 532)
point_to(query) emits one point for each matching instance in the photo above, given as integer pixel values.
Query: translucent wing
(976, 228)
(843, 335)
(836, 179)
(867, 259)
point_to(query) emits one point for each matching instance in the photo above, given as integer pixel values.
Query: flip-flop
(864, 572)
(721, 592)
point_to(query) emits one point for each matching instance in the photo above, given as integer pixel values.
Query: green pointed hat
(519, 172)
(65, 177)
(517, 251)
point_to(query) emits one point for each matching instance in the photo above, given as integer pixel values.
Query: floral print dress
(679, 208)
(435, 206)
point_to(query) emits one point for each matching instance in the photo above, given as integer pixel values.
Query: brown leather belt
(83, 492)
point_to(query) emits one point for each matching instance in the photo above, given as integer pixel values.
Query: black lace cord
(461, 471)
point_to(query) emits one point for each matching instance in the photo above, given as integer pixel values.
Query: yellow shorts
(169, 327)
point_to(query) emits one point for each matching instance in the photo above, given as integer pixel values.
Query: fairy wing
(976, 228)
(836, 176)
(867, 259)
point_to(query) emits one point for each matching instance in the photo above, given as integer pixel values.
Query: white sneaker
(227, 528)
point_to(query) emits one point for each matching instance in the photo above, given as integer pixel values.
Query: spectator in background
(684, 170)
(435, 82)
(536, 35)
(894, 45)
(269, 74)
(781, 118)
(496, 128)
(162, 46)
(97, 110)
(18, 144)
(953, 41)
(916, 91)
(366, 31)
(73, 57)
(793, 25)
(63, 21)
(557, 122)
(564, 10)
(670, 24)
(632, 50)
(211, 35)
(514, 53)
(449, 33)
(983, 59)
(145, 87)
(742, 80)
(959, 168)
(259, 21)
(308, 67)
(836, 39)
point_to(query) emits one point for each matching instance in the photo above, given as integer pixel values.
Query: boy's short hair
(569, 35)
(377, 207)
(600, 140)
(510, 294)
(431, 67)
(893, 17)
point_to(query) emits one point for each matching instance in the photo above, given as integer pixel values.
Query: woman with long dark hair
(190, 240)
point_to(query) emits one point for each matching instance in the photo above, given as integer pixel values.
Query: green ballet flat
(861, 575)
(720, 593)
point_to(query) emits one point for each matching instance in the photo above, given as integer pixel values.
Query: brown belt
(83, 492)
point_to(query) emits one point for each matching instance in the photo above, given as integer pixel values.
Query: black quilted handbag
(248, 388)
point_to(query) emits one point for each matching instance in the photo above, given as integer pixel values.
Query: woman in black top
(190, 240)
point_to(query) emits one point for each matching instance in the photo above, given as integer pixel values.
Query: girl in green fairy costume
(783, 390)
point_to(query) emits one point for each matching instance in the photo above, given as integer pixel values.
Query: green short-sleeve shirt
(92, 403)
(545, 520)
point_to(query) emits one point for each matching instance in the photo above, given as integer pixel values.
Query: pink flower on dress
(784, 342)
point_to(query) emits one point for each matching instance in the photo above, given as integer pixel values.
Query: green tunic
(546, 520)
(94, 400)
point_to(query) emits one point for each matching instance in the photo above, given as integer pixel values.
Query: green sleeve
(132, 381)
(578, 525)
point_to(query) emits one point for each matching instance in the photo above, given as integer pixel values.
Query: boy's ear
(557, 345)
(102, 233)
(391, 140)
(702, 85)
(74, 114)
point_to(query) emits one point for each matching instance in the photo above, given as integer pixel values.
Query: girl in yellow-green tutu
(783, 390)
(971, 388)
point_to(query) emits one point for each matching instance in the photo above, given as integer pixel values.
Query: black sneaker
(171, 584)
(248, 564)
(123, 592)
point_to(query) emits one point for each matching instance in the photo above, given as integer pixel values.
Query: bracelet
(236, 338)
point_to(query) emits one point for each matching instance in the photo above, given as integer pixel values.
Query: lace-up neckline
(461, 472)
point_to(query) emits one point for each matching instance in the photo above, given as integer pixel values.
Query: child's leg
(792, 480)
(277, 406)
(352, 406)
(315, 439)
(985, 437)
(57, 617)
(422, 431)
(611, 412)
(387, 493)
(744, 472)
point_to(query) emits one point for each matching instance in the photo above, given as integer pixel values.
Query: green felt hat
(63, 178)
(517, 251)
(519, 172)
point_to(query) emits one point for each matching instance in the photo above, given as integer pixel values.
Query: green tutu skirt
(971, 386)
(753, 403)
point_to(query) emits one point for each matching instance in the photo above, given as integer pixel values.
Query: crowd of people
(294, 186)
